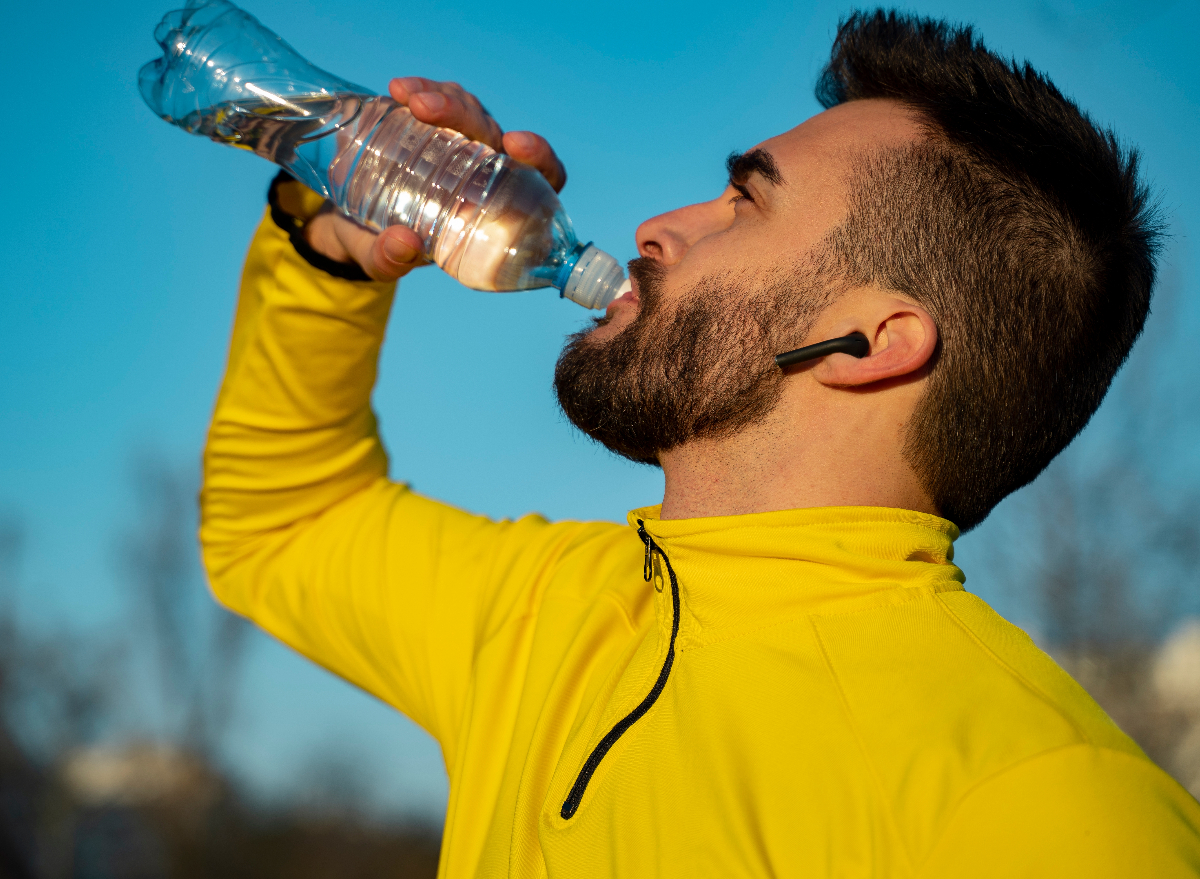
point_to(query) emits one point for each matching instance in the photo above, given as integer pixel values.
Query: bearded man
(777, 672)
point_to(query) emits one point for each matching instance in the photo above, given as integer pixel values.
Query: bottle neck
(563, 275)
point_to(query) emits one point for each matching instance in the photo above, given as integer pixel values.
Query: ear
(902, 339)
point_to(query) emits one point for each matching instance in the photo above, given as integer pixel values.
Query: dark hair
(1019, 224)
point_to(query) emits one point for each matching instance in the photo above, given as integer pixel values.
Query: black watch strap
(294, 226)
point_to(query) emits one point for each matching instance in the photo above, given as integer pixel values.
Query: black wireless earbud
(855, 344)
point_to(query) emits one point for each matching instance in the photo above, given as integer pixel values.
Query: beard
(702, 369)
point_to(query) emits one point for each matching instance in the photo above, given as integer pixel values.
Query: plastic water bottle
(484, 218)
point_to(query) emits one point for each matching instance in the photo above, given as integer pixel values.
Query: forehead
(814, 159)
(832, 137)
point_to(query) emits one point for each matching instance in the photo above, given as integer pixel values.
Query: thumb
(392, 254)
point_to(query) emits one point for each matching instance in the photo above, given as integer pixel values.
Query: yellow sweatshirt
(807, 693)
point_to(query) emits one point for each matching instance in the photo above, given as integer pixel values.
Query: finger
(535, 150)
(449, 105)
(455, 112)
(404, 87)
(391, 254)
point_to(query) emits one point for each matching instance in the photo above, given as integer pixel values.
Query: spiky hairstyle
(1019, 224)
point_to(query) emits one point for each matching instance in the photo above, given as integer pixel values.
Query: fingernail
(433, 101)
(397, 251)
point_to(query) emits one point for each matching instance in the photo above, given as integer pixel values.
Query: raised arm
(301, 529)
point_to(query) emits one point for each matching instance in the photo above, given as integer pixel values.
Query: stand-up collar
(739, 572)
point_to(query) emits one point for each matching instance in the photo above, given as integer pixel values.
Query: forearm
(293, 432)
(298, 519)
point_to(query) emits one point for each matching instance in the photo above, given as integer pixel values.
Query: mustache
(649, 274)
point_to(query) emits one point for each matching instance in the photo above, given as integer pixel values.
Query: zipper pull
(652, 568)
(659, 582)
(646, 571)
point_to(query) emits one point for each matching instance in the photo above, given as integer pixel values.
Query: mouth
(628, 294)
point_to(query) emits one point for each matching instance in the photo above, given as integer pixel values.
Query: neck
(834, 458)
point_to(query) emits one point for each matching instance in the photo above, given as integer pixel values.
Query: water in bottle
(487, 220)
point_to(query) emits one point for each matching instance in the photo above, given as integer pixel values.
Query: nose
(667, 237)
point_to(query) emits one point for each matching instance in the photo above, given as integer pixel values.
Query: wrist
(293, 208)
(321, 235)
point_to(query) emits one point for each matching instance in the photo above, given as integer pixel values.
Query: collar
(742, 572)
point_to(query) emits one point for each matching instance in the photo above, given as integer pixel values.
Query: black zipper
(571, 804)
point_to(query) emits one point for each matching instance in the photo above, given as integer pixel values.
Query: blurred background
(146, 733)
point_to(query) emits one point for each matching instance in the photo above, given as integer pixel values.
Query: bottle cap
(596, 280)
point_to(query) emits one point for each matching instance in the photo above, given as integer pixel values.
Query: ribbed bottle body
(483, 218)
(487, 220)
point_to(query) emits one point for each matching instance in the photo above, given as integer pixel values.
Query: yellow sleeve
(303, 533)
(1078, 811)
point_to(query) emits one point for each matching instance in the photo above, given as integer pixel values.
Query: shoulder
(943, 686)
(573, 569)
(945, 695)
(1081, 810)
(1012, 655)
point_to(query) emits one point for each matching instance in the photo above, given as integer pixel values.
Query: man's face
(719, 289)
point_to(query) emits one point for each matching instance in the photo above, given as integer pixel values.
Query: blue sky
(124, 239)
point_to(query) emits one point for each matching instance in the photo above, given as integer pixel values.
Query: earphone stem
(855, 344)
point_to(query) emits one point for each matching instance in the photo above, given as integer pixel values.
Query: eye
(743, 193)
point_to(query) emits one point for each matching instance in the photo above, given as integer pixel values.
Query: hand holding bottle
(487, 218)
(394, 252)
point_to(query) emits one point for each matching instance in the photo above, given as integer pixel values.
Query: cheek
(744, 245)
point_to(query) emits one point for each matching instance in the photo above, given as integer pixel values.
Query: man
(777, 672)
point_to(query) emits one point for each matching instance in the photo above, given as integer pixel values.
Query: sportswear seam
(999, 773)
(547, 571)
(611, 596)
(689, 641)
(862, 747)
(1028, 684)
(527, 618)
(537, 582)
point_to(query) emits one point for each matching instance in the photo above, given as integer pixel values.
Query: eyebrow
(741, 165)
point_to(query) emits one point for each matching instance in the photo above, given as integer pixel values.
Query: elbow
(223, 571)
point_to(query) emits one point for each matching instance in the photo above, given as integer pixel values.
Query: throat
(772, 466)
(707, 478)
